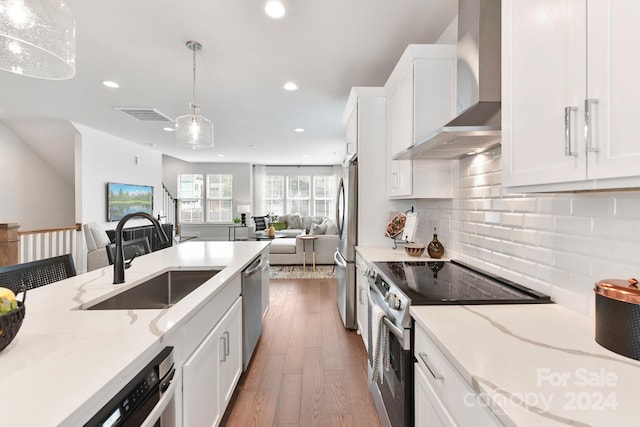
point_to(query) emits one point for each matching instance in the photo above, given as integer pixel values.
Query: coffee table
(264, 236)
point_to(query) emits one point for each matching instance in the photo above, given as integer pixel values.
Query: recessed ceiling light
(275, 9)
(299, 130)
(168, 129)
(305, 155)
(290, 86)
(220, 155)
(110, 84)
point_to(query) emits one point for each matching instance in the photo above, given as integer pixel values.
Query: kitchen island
(531, 365)
(67, 362)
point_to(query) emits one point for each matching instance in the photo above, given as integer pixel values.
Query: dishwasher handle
(254, 267)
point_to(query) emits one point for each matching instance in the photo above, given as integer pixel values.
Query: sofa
(97, 240)
(288, 250)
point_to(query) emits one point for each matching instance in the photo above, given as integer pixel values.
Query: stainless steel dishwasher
(251, 308)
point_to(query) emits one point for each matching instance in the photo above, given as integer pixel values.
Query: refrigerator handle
(339, 259)
(340, 207)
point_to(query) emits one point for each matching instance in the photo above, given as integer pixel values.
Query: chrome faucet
(118, 263)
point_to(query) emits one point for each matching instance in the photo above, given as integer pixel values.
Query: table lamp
(243, 210)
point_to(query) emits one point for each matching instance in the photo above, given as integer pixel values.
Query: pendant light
(37, 39)
(192, 130)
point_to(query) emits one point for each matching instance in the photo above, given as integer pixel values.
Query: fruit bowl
(10, 324)
(414, 249)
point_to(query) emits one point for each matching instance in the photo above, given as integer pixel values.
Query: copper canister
(618, 316)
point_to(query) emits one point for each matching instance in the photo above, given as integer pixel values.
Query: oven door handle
(162, 404)
(399, 333)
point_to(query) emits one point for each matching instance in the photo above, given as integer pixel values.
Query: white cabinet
(421, 99)
(442, 396)
(429, 410)
(362, 303)
(569, 95)
(352, 131)
(212, 345)
(210, 374)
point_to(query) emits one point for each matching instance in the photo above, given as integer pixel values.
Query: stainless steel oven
(148, 400)
(391, 362)
(393, 288)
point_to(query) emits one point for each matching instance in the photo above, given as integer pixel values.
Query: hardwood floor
(308, 370)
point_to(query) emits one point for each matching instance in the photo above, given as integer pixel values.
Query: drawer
(197, 328)
(460, 400)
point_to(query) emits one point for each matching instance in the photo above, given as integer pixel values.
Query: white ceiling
(325, 46)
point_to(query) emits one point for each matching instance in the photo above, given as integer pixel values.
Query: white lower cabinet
(362, 305)
(211, 373)
(430, 411)
(442, 396)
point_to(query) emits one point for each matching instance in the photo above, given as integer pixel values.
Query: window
(306, 192)
(323, 195)
(216, 208)
(298, 194)
(190, 194)
(219, 197)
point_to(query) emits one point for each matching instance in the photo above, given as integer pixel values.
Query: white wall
(106, 158)
(242, 191)
(32, 193)
(560, 244)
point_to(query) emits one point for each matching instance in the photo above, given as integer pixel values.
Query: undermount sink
(159, 292)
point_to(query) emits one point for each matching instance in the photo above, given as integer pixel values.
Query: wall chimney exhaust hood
(478, 126)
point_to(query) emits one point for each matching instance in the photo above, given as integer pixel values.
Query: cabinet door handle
(567, 131)
(588, 125)
(434, 372)
(224, 349)
(226, 341)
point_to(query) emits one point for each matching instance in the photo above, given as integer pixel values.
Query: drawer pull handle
(434, 372)
(567, 131)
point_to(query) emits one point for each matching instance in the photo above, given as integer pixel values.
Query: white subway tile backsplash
(573, 225)
(559, 244)
(590, 206)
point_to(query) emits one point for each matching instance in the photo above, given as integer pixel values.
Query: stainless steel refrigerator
(345, 256)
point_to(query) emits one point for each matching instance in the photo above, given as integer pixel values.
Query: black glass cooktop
(426, 283)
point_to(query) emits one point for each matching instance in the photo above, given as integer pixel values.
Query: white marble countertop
(387, 253)
(65, 360)
(539, 364)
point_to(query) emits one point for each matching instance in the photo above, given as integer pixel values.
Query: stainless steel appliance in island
(393, 288)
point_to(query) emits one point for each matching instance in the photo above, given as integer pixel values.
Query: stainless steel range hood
(478, 127)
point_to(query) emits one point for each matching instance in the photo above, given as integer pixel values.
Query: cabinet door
(429, 410)
(362, 284)
(200, 394)
(211, 373)
(543, 75)
(230, 331)
(352, 132)
(612, 82)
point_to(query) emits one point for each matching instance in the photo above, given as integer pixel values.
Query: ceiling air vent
(144, 114)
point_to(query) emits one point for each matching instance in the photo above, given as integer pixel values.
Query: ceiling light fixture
(110, 84)
(275, 9)
(290, 86)
(38, 39)
(168, 129)
(299, 130)
(193, 130)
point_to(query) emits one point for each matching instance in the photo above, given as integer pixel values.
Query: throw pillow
(294, 221)
(279, 225)
(318, 229)
(332, 227)
(100, 236)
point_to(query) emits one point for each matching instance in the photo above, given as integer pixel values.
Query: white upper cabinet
(569, 95)
(352, 131)
(421, 99)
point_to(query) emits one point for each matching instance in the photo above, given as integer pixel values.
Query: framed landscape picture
(123, 199)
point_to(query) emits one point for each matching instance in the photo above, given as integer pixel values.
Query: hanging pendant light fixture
(38, 38)
(193, 130)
